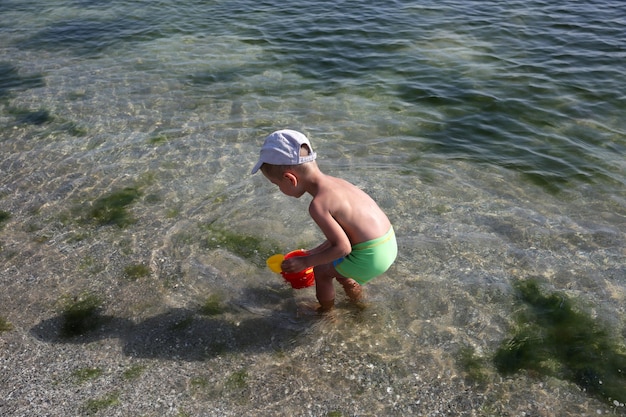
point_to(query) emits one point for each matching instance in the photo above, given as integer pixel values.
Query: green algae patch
(96, 405)
(34, 117)
(40, 117)
(212, 306)
(240, 244)
(245, 246)
(472, 364)
(11, 80)
(133, 372)
(237, 380)
(4, 216)
(161, 138)
(111, 209)
(553, 337)
(5, 326)
(136, 271)
(25, 116)
(80, 376)
(80, 315)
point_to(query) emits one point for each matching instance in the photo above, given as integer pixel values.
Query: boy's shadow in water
(188, 335)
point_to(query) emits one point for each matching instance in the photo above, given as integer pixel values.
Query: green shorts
(369, 259)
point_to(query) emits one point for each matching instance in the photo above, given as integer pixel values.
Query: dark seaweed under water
(533, 87)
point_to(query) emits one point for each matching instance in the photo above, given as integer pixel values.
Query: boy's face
(287, 184)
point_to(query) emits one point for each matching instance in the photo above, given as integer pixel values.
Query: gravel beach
(261, 351)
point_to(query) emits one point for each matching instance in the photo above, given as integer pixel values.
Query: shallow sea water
(492, 135)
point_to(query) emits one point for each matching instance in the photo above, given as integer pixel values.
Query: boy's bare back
(338, 202)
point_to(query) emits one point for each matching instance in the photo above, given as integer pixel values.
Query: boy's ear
(291, 178)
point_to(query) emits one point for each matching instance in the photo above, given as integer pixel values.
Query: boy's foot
(326, 306)
(308, 309)
(353, 290)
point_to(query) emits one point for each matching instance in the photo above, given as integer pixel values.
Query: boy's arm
(321, 248)
(337, 243)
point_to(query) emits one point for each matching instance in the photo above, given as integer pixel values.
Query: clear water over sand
(493, 136)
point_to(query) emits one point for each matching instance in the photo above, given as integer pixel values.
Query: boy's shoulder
(339, 184)
(335, 189)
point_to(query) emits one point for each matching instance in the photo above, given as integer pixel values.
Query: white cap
(283, 148)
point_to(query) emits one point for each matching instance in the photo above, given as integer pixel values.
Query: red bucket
(302, 279)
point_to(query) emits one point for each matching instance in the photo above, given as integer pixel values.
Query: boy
(360, 241)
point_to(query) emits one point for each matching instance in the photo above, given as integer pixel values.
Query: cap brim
(256, 167)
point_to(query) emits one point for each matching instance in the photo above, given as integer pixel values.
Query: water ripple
(508, 85)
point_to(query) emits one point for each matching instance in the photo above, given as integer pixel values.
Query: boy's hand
(293, 265)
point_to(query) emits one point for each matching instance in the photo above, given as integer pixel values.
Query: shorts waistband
(375, 242)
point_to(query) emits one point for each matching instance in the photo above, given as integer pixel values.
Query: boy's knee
(324, 272)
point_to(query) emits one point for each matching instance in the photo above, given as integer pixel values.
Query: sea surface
(492, 133)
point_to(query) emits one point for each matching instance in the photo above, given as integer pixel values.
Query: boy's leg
(353, 289)
(324, 289)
